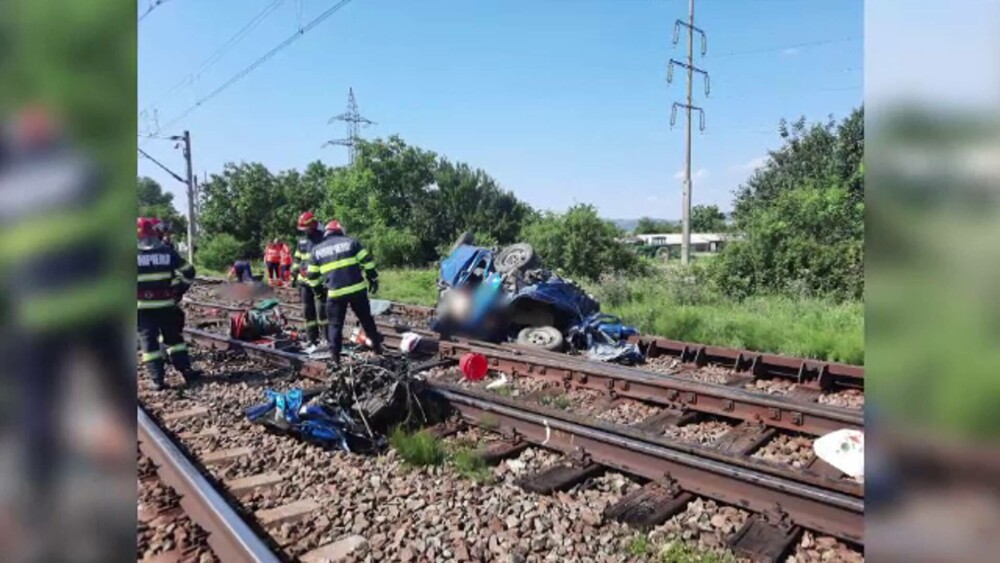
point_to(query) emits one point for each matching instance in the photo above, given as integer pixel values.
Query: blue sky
(560, 101)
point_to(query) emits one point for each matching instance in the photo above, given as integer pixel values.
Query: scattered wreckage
(508, 296)
(361, 403)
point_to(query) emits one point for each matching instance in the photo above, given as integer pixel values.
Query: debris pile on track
(361, 403)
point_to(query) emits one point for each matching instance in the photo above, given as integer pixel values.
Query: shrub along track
(784, 499)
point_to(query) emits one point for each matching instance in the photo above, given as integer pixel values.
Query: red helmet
(307, 221)
(145, 227)
(334, 227)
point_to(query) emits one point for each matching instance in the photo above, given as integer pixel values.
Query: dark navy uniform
(163, 278)
(347, 271)
(309, 290)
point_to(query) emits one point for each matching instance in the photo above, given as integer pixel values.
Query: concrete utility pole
(192, 217)
(354, 122)
(688, 107)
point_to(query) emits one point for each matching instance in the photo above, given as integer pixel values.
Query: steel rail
(814, 508)
(811, 501)
(230, 536)
(809, 373)
(662, 389)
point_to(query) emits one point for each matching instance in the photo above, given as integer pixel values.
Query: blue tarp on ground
(285, 412)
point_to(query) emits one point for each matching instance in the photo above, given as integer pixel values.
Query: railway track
(230, 537)
(783, 500)
(809, 376)
(798, 411)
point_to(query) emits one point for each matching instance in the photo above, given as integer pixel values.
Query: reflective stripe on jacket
(342, 265)
(302, 252)
(162, 273)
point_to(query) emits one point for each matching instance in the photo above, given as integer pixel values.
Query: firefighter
(272, 260)
(157, 296)
(347, 271)
(316, 320)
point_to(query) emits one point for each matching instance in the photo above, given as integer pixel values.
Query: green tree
(153, 201)
(802, 216)
(470, 200)
(707, 219)
(241, 202)
(649, 226)
(408, 204)
(580, 243)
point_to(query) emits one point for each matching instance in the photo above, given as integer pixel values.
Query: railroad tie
(823, 469)
(649, 506)
(225, 456)
(559, 477)
(245, 485)
(206, 433)
(666, 418)
(804, 394)
(764, 539)
(444, 429)
(335, 551)
(286, 513)
(500, 450)
(190, 413)
(744, 438)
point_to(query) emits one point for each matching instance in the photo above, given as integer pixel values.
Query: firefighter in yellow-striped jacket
(347, 271)
(310, 291)
(163, 278)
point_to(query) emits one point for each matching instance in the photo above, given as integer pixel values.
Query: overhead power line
(222, 50)
(266, 57)
(153, 4)
(779, 48)
(163, 166)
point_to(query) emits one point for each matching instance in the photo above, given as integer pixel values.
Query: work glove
(295, 281)
(373, 286)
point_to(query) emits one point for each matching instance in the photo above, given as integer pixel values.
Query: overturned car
(507, 296)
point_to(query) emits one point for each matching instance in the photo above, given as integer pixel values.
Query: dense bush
(219, 252)
(801, 217)
(580, 243)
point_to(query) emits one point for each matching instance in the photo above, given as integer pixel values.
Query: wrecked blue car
(506, 296)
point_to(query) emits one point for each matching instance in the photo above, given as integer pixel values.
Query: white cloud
(791, 52)
(699, 173)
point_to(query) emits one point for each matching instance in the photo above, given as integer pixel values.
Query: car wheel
(547, 337)
(463, 239)
(520, 256)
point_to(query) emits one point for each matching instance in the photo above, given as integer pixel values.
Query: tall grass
(678, 304)
(417, 287)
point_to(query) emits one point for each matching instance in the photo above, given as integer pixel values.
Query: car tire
(463, 239)
(547, 337)
(516, 257)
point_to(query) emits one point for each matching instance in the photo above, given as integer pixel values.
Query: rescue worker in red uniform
(158, 294)
(310, 291)
(272, 259)
(285, 256)
(347, 271)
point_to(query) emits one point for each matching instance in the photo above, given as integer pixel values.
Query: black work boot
(158, 385)
(191, 375)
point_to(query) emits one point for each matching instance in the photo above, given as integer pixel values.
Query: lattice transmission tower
(352, 117)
